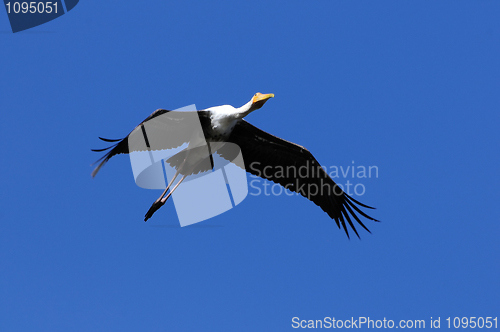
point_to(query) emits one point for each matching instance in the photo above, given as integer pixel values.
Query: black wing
(280, 161)
(173, 123)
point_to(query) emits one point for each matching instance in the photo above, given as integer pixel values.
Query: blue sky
(409, 87)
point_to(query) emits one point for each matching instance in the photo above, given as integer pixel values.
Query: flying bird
(264, 155)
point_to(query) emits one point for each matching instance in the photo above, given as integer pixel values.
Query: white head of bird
(257, 101)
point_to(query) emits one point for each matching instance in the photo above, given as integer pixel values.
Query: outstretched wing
(178, 126)
(296, 169)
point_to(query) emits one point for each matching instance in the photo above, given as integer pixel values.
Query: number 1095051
(31, 7)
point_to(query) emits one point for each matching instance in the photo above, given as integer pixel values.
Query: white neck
(228, 111)
(244, 110)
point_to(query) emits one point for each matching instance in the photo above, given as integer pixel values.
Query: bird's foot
(156, 205)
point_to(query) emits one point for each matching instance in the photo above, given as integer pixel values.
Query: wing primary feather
(94, 172)
(359, 203)
(98, 160)
(361, 212)
(344, 226)
(110, 140)
(346, 214)
(356, 217)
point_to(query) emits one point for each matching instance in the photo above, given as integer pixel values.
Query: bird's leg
(172, 181)
(172, 191)
(169, 184)
(158, 203)
(161, 201)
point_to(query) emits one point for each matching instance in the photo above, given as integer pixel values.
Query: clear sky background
(408, 86)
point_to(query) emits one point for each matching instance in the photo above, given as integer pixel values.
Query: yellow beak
(259, 96)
